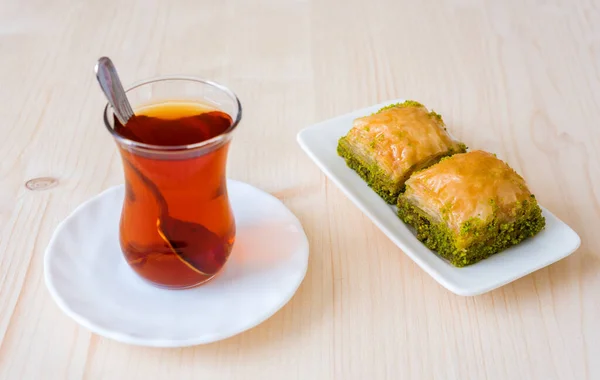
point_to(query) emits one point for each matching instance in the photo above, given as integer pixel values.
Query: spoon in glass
(197, 247)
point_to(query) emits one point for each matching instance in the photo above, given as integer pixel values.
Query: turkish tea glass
(177, 228)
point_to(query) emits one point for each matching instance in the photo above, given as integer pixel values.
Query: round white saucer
(89, 279)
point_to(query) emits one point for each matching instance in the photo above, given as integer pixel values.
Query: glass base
(176, 287)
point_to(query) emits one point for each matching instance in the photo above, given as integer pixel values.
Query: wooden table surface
(519, 78)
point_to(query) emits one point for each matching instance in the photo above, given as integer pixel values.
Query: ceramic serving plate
(555, 242)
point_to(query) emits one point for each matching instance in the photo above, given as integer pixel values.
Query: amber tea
(177, 228)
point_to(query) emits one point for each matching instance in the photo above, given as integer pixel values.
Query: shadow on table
(558, 283)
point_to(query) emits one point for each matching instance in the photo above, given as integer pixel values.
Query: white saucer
(89, 279)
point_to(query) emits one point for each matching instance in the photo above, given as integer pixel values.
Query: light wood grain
(519, 78)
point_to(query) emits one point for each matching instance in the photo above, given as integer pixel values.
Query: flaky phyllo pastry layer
(387, 146)
(469, 206)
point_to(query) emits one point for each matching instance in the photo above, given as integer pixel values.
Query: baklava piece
(470, 206)
(386, 147)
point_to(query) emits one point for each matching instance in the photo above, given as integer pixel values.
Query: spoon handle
(107, 76)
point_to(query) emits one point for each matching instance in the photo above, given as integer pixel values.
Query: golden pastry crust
(387, 146)
(465, 186)
(470, 206)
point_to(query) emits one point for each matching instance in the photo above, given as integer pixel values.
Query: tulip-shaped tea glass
(177, 228)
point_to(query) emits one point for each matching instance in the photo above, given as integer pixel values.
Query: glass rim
(212, 140)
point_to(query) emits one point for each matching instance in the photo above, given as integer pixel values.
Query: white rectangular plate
(555, 242)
